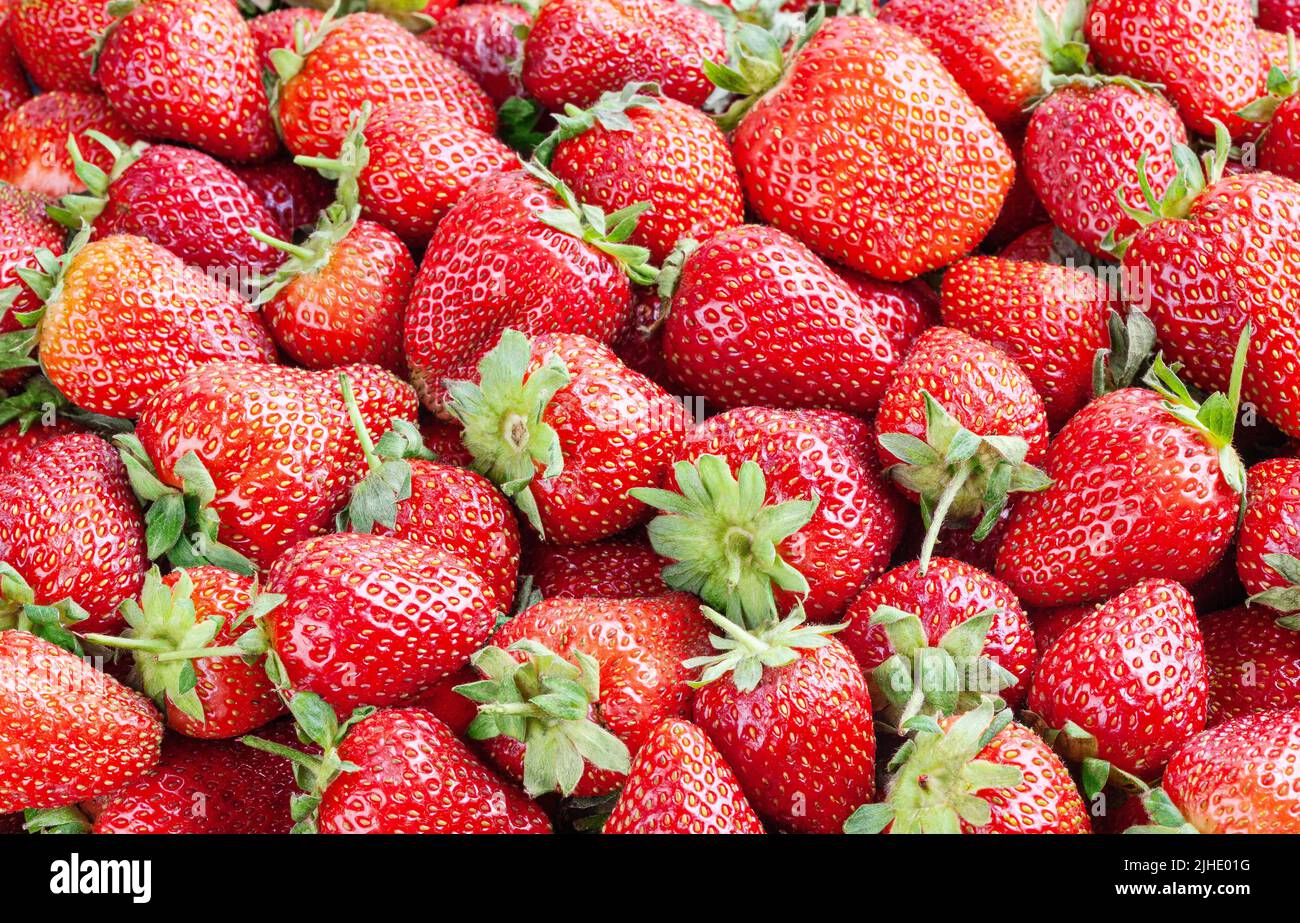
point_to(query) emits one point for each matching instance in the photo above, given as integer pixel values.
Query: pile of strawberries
(691, 416)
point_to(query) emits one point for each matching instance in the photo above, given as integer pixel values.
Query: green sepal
(286, 63)
(1284, 599)
(1281, 85)
(374, 500)
(46, 282)
(744, 655)
(756, 62)
(1078, 746)
(1127, 361)
(19, 609)
(1062, 44)
(77, 209)
(39, 403)
(609, 112)
(518, 122)
(670, 275)
(67, 819)
(1167, 817)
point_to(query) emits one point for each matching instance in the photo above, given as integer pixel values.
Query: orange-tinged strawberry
(34, 139)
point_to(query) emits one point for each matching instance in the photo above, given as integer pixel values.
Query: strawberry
(71, 535)
(579, 49)
(54, 39)
(443, 439)
(615, 568)
(516, 252)
(597, 676)
(1049, 319)
(902, 311)
(32, 417)
(1278, 15)
(159, 61)
(1271, 524)
(757, 318)
(1045, 243)
(482, 38)
(819, 146)
(362, 58)
(634, 146)
(34, 138)
(262, 454)
(278, 29)
(449, 706)
(67, 731)
(679, 783)
(566, 431)
(24, 230)
(980, 773)
(1279, 110)
(1125, 686)
(1050, 624)
(1253, 662)
(14, 89)
(907, 626)
(294, 195)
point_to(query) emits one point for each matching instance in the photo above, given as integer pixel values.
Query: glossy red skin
(187, 70)
(14, 90)
(223, 787)
(369, 58)
(1132, 674)
(54, 38)
(1081, 153)
(1050, 319)
(15, 443)
(34, 140)
(871, 154)
(492, 265)
(1253, 663)
(1271, 524)
(615, 568)
(294, 195)
(416, 776)
(804, 454)
(373, 619)
(67, 731)
(277, 442)
(801, 743)
(675, 158)
(1037, 243)
(443, 439)
(70, 525)
(24, 229)
(421, 163)
(948, 594)
(1203, 52)
(1278, 15)
(448, 705)
(902, 311)
(197, 208)
(578, 49)
(993, 49)
(480, 37)
(1240, 777)
(1235, 259)
(275, 30)
(680, 783)
(1135, 494)
(1050, 624)
(350, 308)
(640, 645)
(132, 318)
(757, 318)
(1279, 147)
(236, 697)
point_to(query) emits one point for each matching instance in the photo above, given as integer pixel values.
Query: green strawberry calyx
(77, 209)
(745, 654)
(765, 14)
(180, 523)
(1065, 53)
(1284, 599)
(20, 610)
(545, 702)
(38, 404)
(46, 282)
(959, 475)
(1281, 85)
(503, 420)
(938, 781)
(117, 10)
(1128, 359)
(287, 63)
(756, 64)
(1077, 745)
(67, 819)
(336, 221)
(947, 678)
(725, 537)
(670, 277)
(609, 112)
(1161, 809)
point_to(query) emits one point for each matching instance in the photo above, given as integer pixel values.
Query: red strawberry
(14, 89)
(757, 318)
(1278, 15)
(1253, 662)
(25, 229)
(32, 417)
(70, 532)
(67, 731)
(34, 139)
(277, 29)
(448, 705)
(1278, 150)
(515, 254)
(616, 569)
(902, 311)
(819, 149)
(1127, 683)
(481, 38)
(905, 623)
(294, 195)
(1050, 624)
(1046, 244)
(55, 39)
(443, 439)
(578, 49)
(363, 58)
(633, 146)
(159, 63)
(1271, 524)
(679, 783)
(1050, 319)
(597, 677)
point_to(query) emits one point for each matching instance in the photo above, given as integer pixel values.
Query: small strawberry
(483, 39)
(615, 568)
(443, 438)
(25, 230)
(1278, 149)
(1271, 523)
(294, 195)
(34, 140)
(54, 39)
(1253, 662)
(902, 311)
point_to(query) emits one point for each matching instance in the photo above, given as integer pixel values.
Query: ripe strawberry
(1271, 523)
(14, 89)
(25, 229)
(679, 783)
(361, 58)
(70, 532)
(159, 61)
(757, 318)
(980, 773)
(482, 38)
(615, 568)
(55, 38)
(1045, 243)
(1279, 110)
(908, 626)
(516, 252)
(1050, 624)
(1049, 319)
(902, 311)
(634, 146)
(294, 195)
(1203, 52)
(443, 439)
(34, 139)
(579, 49)
(597, 677)
(67, 731)
(1278, 15)
(818, 147)
(32, 417)
(447, 705)
(277, 29)
(263, 453)
(1253, 662)
(1126, 684)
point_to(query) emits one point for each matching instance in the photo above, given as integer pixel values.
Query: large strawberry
(483, 39)
(25, 230)
(34, 138)
(1253, 662)
(187, 70)
(865, 147)
(54, 39)
(67, 731)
